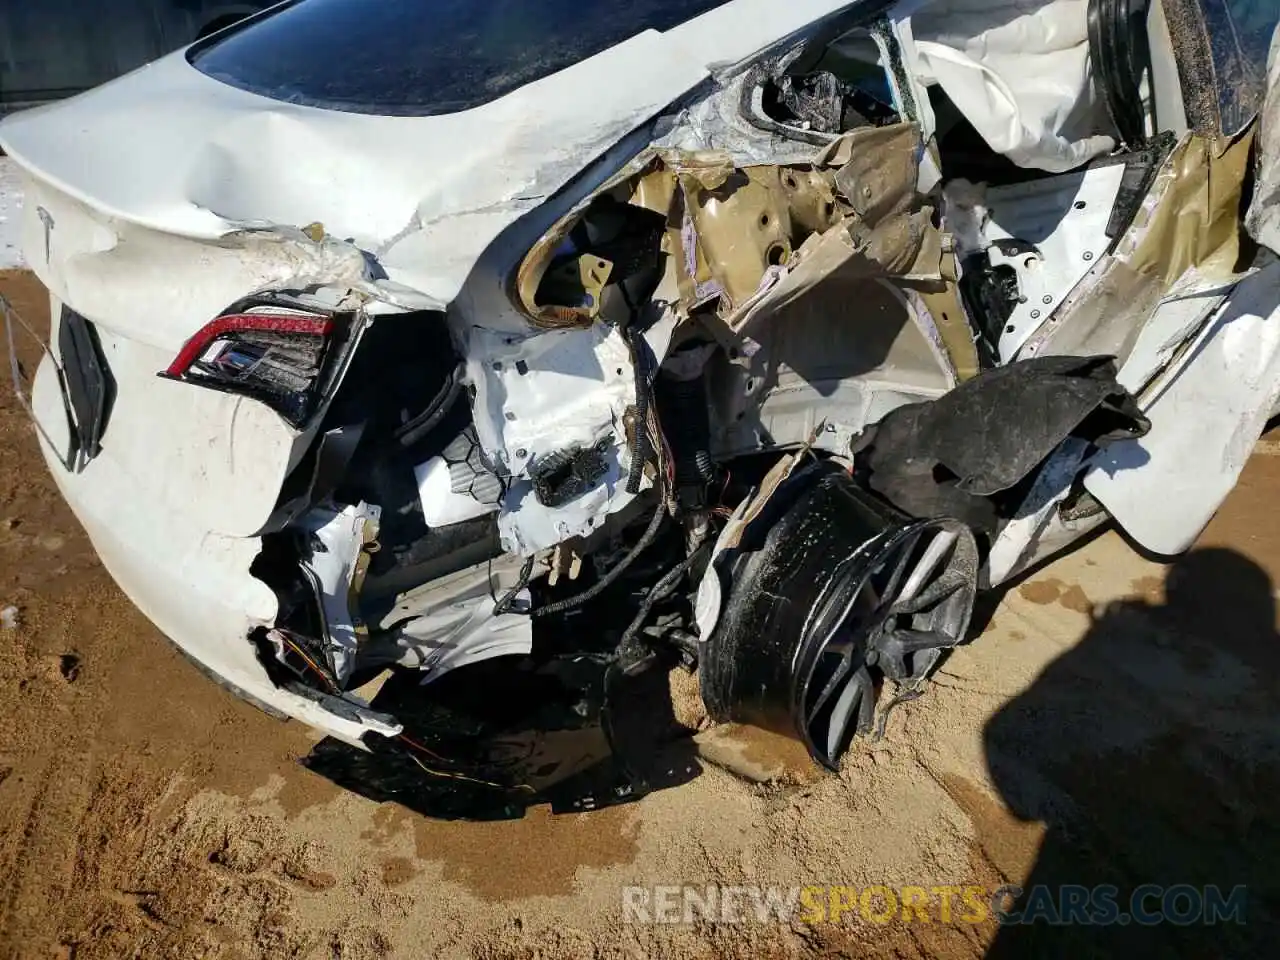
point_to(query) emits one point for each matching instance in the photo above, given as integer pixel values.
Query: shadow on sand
(1151, 751)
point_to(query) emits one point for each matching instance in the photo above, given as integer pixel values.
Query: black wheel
(842, 594)
(892, 618)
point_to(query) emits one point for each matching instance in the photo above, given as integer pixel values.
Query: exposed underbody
(772, 401)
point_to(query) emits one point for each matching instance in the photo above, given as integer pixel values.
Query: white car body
(156, 200)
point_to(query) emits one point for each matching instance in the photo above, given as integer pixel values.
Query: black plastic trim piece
(1120, 54)
(90, 387)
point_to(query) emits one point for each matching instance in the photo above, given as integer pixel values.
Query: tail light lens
(274, 354)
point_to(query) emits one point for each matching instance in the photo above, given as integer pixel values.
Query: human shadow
(1151, 752)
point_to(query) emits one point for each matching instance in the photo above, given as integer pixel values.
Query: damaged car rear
(432, 375)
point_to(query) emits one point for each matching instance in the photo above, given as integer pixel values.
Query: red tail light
(273, 354)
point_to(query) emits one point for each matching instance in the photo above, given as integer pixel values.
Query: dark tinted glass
(421, 57)
(1240, 35)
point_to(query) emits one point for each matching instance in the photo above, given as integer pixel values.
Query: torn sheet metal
(1164, 487)
(774, 250)
(734, 119)
(1019, 71)
(335, 568)
(450, 622)
(885, 234)
(795, 369)
(799, 385)
(1050, 233)
(1057, 531)
(1170, 328)
(1190, 218)
(716, 123)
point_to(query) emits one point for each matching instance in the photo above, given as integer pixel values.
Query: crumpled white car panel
(424, 197)
(441, 206)
(151, 235)
(454, 622)
(205, 158)
(1165, 487)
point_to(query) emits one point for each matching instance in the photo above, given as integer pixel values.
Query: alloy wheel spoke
(935, 593)
(857, 695)
(843, 669)
(886, 595)
(933, 555)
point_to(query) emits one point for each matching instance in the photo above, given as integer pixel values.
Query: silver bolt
(1088, 255)
(521, 453)
(1047, 299)
(1035, 314)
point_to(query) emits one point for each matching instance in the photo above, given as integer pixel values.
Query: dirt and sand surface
(1115, 722)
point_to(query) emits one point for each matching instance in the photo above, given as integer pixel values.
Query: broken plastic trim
(842, 594)
(1119, 52)
(271, 349)
(90, 387)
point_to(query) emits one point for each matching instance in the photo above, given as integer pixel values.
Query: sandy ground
(1114, 722)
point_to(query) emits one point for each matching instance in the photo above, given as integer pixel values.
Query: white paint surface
(1164, 488)
(10, 215)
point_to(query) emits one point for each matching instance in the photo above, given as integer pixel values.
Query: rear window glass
(422, 57)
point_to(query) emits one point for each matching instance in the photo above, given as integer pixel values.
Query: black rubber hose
(640, 448)
(577, 600)
(662, 589)
(411, 431)
(526, 574)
